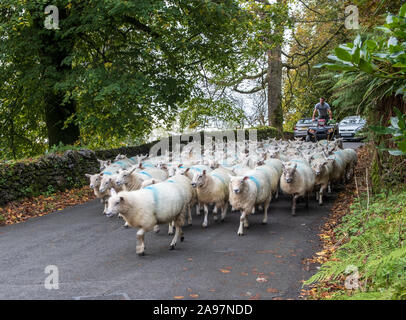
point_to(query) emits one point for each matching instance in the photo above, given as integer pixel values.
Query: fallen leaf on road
(261, 279)
(225, 270)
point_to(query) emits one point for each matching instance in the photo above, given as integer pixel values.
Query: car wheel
(308, 138)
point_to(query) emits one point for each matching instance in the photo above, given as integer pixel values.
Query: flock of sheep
(149, 191)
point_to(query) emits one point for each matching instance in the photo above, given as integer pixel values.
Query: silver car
(300, 129)
(349, 126)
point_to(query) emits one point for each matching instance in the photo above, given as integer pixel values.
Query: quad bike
(321, 130)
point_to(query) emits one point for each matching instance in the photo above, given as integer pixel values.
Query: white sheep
(297, 180)
(322, 171)
(212, 188)
(247, 191)
(156, 204)
(95, 181)
(132, 179)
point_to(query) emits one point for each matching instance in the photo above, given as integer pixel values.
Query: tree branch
(289, 66)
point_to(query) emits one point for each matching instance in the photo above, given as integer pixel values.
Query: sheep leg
(253, 210)
(294, 200)
(189, 208)
(175, 238)
(329, 188)
(224, 208)
(198, 209)
(156, 228)
(206, 213)
(307, 199)
(277, 194)
(246, 222)
(266, 206)
(240, 231)
(323, 187)
(215, 212)
(170, 229)
(140, 248)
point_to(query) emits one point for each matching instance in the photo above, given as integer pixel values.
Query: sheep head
(106, 183)
(95, 180)
(114, 204)
(237, 184)
(199, 179)
(124, 176)
(289, 171)
(104, 164)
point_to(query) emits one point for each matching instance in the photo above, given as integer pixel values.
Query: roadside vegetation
(364, 241)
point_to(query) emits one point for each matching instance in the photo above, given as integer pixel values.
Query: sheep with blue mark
(132, 179)
(160, 203)
(247, 191)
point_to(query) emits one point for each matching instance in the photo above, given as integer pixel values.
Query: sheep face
(273, 154)
(199, 179)
(120, 157)
(289, 172)
(213, 164)
(237, 184)
(95, 180)
(103, 164)
(114, 205)
(124, 176)
(319, 167)
(171, 171)
(161, 165)
(106, 183)
(181, 170)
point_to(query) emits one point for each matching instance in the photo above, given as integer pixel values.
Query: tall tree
(113, 69)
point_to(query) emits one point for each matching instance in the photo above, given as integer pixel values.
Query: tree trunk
(56, 115)
(274, 77)
(53, 50)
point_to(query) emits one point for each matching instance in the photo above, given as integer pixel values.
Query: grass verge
(364, 246)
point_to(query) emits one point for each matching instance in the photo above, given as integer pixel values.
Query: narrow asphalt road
(95, 256)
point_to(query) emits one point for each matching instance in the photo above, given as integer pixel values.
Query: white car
(349, 126)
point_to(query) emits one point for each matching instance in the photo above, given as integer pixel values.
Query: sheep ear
(133, 169)
(295, 166)
(100, 161)
(204, 172)
(113, 192)
(187, 170)
(246, 178)
(180, 165)
(121, 199)
(88, 175)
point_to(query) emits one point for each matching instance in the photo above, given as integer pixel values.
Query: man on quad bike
(323, 108)
(321, 130)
